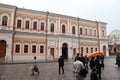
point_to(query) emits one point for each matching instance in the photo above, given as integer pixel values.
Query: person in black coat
(61, 64)
(93, 75)
(98, 66)
(92, 63)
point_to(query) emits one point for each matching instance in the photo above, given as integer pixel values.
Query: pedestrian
(78, 66)
(61, 64)
(102, 61)
(93, 75)
(35, 67)
(77, 56)
(86, 62)
(118, 60)
(98, 66)
(92, 63)
(82, 58)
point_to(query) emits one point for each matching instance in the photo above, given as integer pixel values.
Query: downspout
(46, 35)
(78, 35)
(98, 36)
(12, 50)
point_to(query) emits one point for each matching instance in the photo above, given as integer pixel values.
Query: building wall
(88, 38)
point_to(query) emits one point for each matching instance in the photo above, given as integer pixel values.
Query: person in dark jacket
(61, 64)
(93, 75)
(77, 56)
(92, 63)
(98, 66)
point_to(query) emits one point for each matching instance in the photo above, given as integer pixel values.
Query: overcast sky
(105, 10)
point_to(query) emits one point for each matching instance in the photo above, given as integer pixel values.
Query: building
(114, 42)
(26, 33)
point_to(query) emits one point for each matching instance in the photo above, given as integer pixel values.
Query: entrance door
(65, 51)
(52, 52)
(2, 49)
(74, 52)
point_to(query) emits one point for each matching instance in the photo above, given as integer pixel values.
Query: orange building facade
(27, 33)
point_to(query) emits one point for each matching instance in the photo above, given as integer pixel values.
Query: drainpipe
(12, 50)
(46, 34)
(78, 35)
(98, 35)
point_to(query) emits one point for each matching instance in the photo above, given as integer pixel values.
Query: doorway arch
(104, 50)
(2, 49)
(65, 51)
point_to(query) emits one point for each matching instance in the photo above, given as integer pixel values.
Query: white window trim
(36, 47)
(35, 20)
(5, 14)
(27, 19)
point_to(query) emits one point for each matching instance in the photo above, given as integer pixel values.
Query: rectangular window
(81, 50)
(91, 50)
(94, 32)
(90, 32)
(41, 49)
(42, 26)
(34, 25)
(27, 25)
(96, 49)
(17, 48)
(81, 31)
(19, 23)
(87, 50)
(102, 32)
(34, 49)
(25, 48)
(85, 31)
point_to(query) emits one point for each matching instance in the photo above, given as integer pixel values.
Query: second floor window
(63, 28)
(34, 25)
(42, 26)
(103, 33)
(91, 50)
(73, 30)
(94, 32)
(34, 49)
(85, 31)
(27, 24)
(4, 20)
(41, 49)
(90, 32)
(52, 27)
(25, 48)
(81, 31)
(19, 23)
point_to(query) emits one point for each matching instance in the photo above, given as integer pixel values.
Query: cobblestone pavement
(49, 71)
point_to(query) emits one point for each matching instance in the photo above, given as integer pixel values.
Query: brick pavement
(49, 71)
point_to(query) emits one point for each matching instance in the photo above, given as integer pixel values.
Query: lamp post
(78, 35)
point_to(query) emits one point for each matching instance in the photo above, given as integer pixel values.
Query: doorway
(65, 51)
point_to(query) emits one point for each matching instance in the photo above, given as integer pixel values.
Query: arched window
(52, 27)
(73, 30)
(4, 21)
(81, 31)
(86, 31)
(63, 28)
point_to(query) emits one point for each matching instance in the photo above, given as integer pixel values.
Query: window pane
(41, 49)
(63, 28)
(81, 50)
(52, 27)
(4, 21)
(73, 30)
(42, 26)
(34, 25)
(81, 32)
(25, 48)
(19, 24)
(33, 49)
(17, 48)
(27, 25)
(86, 50)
